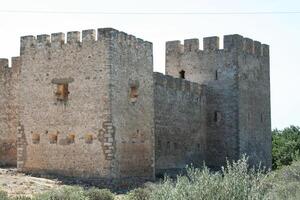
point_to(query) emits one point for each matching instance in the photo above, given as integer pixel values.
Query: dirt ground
(15, 183)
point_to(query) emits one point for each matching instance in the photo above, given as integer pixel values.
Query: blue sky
(281, 32)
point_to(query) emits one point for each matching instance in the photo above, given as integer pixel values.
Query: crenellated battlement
(235, 42)
(4, 65)
(58, 40)
(178, 84)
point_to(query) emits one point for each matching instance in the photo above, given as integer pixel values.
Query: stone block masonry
(238, 94)
(180, 123)
(88, 105)
(8, 111)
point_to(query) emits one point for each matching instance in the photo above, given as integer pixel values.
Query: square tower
(86, 105)
(238, 94)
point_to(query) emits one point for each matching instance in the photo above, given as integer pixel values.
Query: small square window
(62, 92)
(53, 138)
(88, 138)
(35, 138)
(71, 138)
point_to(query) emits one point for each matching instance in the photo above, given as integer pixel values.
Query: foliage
(64, 193)
(285, 146)
(3, 195)
(235, 181)
(21, 198)
(139, 194)
(286, 182)
(99, 194)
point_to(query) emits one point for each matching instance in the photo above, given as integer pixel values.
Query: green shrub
(99, 194)
(285, 182)
(285, 146)
(21, 198)
(139, 194)
(235, 181)
(3, 195)
(64, 193)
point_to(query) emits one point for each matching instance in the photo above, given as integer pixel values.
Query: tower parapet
(235, 42)
(236, 76)
(57, 40)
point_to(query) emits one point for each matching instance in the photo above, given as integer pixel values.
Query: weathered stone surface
(238, 95)
(180, 123)
(9, 111)
(95, 109)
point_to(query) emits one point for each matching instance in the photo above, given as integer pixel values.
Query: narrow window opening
(62, 92)
(53, 138)
(88, 138)
(217, 116)
(168, 146)
(216, 75)
(71, 138)
(198, 147)
(182, 74)
(133, 94)
(35, 138)
(159, 144)
(175, 145)
(261, 117)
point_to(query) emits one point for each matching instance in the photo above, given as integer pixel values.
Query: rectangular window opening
(133, 94)
(182, 74)
(217, 117)
(53, 138)
(35, 138)
(71, 138)
(62, 92)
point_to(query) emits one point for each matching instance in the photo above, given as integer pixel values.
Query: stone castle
(92, 107)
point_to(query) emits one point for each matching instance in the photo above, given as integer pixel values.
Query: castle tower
(238, 94)
(86, 105)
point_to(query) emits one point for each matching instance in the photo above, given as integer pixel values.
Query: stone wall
(180, 123)
(220, 70)
(65, 119)
(8, 111)
(132, 104)
(91, 106)
(105, 125)
(254, 103)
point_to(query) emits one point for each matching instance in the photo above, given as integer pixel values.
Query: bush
(64, 193)
(285, 146)
(21, 198)
(285, 182)
(139, 194)
(99, 194)
(235, 181)
(3, 195)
